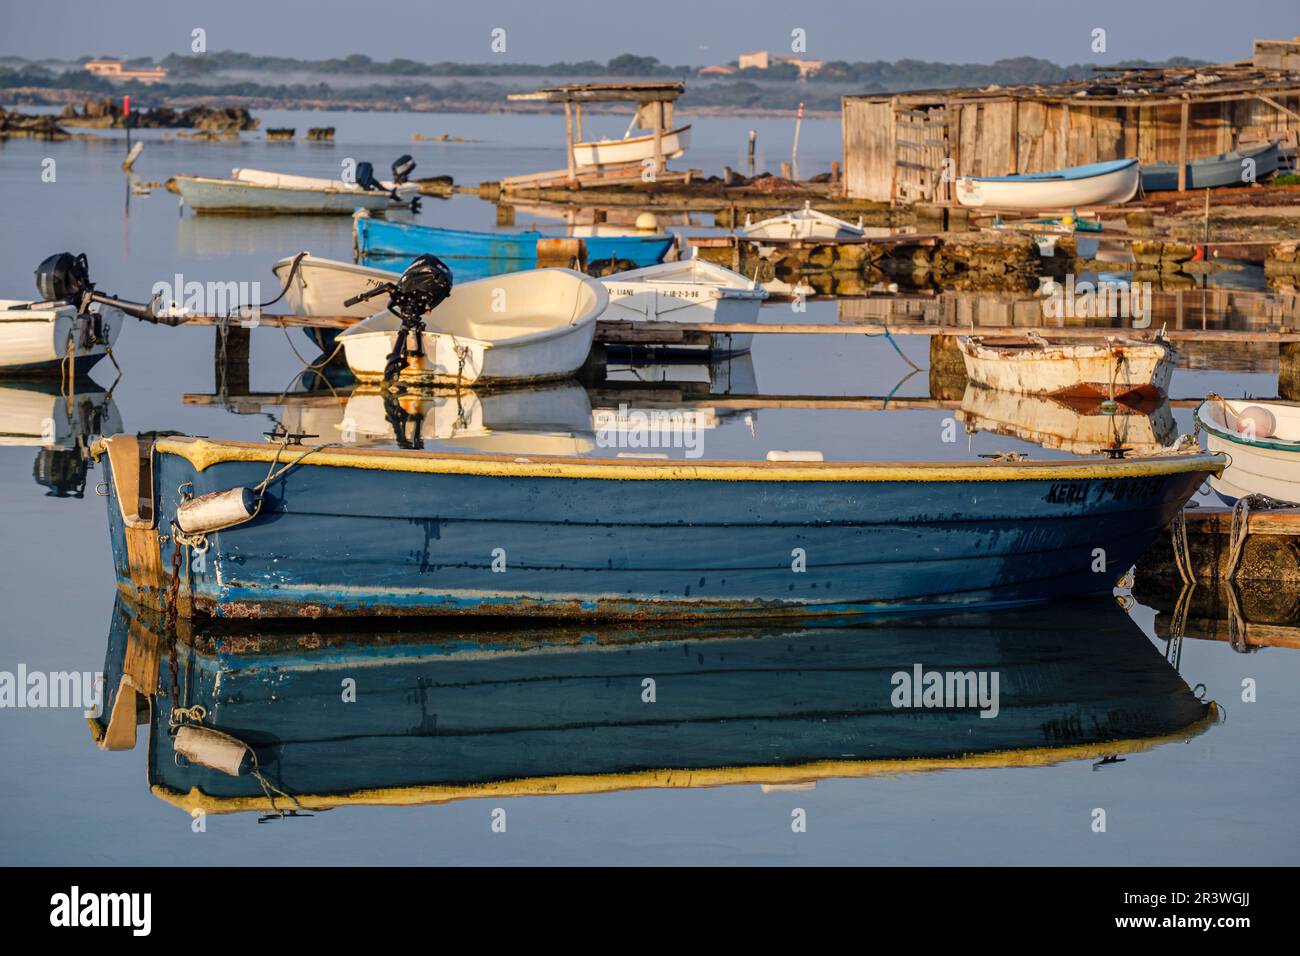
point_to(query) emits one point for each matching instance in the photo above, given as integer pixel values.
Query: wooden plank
(568, 141)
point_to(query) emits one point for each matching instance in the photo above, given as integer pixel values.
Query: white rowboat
(1133, 372)
(1263, 449)
(1097, 184)
(321, 286)
(805, 223)
(40, 336)
(520, 327)
(632, 149)
(689, 290)
(206, 194)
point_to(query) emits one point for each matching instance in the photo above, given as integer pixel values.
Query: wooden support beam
(230, 359)
(568, 142)
(1182, 146)
(659, 137)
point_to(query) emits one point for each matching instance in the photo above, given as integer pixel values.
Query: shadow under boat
(443, 714)
(60, 420)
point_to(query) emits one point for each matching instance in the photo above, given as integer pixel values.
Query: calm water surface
(1223, 796)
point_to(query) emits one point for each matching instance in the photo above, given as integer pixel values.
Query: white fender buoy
(211, 748)
(217, 510)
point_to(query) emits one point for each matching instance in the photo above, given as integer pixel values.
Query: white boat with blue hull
(1262, 443)
(344, 531)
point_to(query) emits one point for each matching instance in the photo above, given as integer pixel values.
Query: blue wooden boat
(321, 531)
(1223, 170)
(444, 714)
(494, 252)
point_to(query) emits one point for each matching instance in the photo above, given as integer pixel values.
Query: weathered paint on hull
(556, 710)
(346, 540)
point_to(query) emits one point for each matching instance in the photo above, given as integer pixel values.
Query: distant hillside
(358, 82)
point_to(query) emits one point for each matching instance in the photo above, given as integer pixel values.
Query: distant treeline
(774, 88)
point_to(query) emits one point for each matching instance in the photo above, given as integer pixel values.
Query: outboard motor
(365, 178)
(425, 285)
(403, 166)
(64, 277)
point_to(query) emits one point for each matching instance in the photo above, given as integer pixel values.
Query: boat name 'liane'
(946, 689)
(1111, 299)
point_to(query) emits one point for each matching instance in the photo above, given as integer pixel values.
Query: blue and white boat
(335, 530)
(490, 252)
(1097, 184)
(1226, 169)
(559, 710)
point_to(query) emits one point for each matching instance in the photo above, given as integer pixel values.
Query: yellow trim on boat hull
(679, 779)
(203, 453)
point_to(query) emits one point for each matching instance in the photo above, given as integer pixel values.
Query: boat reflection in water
(62, 421)
(1086, 428)
(446, 714)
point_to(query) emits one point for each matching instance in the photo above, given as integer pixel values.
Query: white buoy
(1255, 422)
(210, 748)
(795, 455)
(647, 222)
(220, 509)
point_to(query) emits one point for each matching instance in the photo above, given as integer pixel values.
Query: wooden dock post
(230, 359)
(753, 138)
(568, 142)
(505, 214)
(1182, 146)
(1288, 371)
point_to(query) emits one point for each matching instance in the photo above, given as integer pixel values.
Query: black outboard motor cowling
(365, 178)
(64, 277)
(403, 166)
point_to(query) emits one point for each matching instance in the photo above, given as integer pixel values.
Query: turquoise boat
(1226, 169)
(391, 245)
(441, 715)
(286, 531)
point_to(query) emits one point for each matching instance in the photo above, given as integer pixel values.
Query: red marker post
(126, 118)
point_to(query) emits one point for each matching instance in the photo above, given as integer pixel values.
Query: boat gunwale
(315, 190)
(203, 453)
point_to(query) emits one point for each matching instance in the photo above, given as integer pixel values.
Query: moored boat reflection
(259, 717)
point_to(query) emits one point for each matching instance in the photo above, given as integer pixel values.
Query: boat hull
(1135, 373)
(502, 252)
(1226, 169)
(205, 195)
(633, 299)
(1030, 193)
(348, 532)
(41, 341)
(635, 149)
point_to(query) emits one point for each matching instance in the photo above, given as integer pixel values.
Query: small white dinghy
(1097, 184)
(261, 177)
(1262, 441)
(519, 327)
(1113, 368)
(805, 223)
(690, 290)
(41, 336)
(320, 286)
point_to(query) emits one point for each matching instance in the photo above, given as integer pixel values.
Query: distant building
(762, 60)
(117, 70)
(717, 70)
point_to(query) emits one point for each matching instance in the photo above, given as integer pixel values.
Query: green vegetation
(397, 82)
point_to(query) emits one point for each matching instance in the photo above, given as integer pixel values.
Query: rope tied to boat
(1241, 528)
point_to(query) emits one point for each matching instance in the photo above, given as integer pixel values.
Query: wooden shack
(909, 147)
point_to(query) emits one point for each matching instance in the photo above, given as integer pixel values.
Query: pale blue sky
(676, 31)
